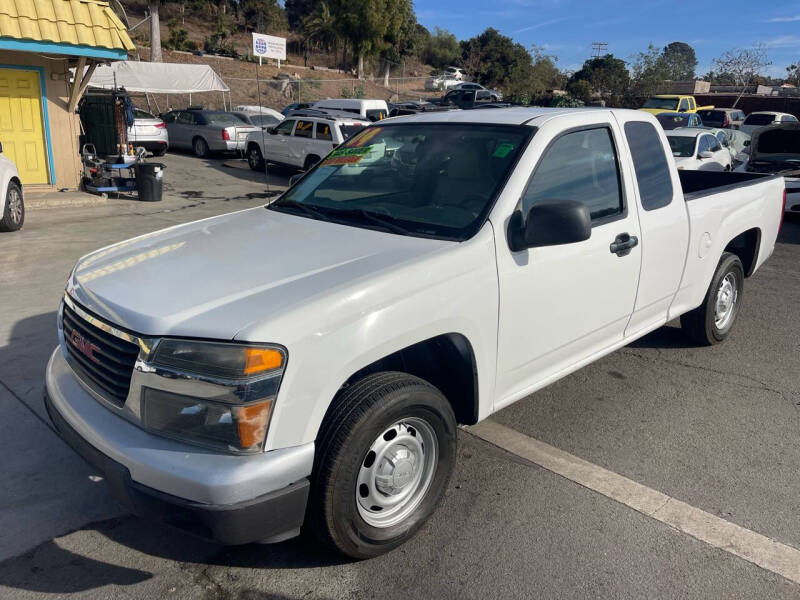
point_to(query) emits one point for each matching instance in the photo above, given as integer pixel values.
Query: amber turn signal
(258, 360)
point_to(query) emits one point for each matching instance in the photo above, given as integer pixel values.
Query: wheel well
(251, 145)
(745, 246)
(16, 180)
(309, 157)
(445, 361)
(199, 137)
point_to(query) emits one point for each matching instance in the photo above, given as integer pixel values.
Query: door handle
(623, 243)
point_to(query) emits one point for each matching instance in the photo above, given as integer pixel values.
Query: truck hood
(213, 277)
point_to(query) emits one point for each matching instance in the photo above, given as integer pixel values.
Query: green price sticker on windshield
(502, 150)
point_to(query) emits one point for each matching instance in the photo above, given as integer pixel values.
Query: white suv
(12, 208)
(299, 141)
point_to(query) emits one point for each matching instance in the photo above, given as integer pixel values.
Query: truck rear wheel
(13, 215)
(712, 321)
(385, 454)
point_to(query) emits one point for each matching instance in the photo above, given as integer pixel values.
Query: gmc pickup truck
(307, 363)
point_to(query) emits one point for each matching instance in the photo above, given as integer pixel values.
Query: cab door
(277, 144)
(301, 143)
(560, 305)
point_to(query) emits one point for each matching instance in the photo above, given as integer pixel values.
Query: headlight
(219, 395)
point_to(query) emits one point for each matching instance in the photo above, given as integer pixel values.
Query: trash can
(149, 181)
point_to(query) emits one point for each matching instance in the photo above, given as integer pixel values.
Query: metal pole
(263, 142)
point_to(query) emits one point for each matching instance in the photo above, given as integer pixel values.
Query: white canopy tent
(158, 78)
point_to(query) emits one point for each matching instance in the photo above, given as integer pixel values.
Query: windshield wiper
(311, 211)
(384, 221)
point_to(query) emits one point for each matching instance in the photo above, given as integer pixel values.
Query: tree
(545, 74)
(608, 76)
(155, 32)
(321, 26)
(441, 49)
(649, 70)
(743, 66)
(580, 89)
(793, 74)
(298, 10)
(496, 61)
(679, 61)
(400, 37)
(263, 15)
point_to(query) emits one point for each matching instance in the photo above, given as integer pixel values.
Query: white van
(373, 110)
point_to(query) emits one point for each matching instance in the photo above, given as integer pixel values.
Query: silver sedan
(207, 131)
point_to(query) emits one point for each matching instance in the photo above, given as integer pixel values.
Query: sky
(567, 28)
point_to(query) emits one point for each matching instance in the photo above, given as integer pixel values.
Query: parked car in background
(262, 121)
(468, 98)
(764, 118)
(415, 107)
(207, 131)
(294, 106)
(370, 109)
(471, 85)
(456, 73)
(698, 150)
(776, 150)
(724, 118)
(673, 120)
(305, 365)
(148, 132)
(300, 142)
(12, 204)
(671, 103)
(254, 110)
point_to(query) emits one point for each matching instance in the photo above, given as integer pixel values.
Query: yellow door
(21, 124)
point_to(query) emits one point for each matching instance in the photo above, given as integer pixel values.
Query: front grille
(115, 357)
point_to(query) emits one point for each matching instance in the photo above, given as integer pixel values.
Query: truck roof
(514, 115)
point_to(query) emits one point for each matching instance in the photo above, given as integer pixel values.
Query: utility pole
(599, 49)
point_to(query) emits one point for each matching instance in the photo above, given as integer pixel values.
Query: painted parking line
(734, 539)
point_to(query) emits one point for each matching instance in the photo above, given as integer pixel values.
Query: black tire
(200, 147)
(311, 160)
(14, 209)
(254, 158)
(701, 323)
(160, 151)
(361, 414)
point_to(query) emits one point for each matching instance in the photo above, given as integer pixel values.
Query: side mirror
(550, 223)
(295, 178)
(272, 130)
(705, 154)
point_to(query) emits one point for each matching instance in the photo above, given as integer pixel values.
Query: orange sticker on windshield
(365, 136)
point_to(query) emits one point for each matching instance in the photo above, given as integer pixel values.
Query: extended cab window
(186, 118)
(650, 164)
(582, 166)
(684, 105)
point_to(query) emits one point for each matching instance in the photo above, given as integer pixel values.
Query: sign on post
(269, 46)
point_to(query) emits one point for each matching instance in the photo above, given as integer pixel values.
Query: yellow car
(672, 103)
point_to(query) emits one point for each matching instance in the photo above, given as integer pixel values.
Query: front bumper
(230, 499)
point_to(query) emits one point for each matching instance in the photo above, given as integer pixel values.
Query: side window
(169, 117)
(304, 129)
(185, 118)
(650, 164)
(582, 166)
(692, 105)
(285, 128)
(324, 132)
(789, 119)
(714, 144)
(684, 105)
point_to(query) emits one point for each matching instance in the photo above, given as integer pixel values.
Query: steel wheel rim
(200, 147)
(14, 205)
(726, 301)
(254, 157)
(396, 473)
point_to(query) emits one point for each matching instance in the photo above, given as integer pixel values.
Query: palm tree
(321, 26)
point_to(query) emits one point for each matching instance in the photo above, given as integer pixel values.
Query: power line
(599, 49)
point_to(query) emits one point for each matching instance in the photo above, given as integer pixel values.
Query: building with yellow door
(42, 44)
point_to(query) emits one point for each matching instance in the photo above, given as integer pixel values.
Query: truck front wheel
(712, 321)
(384, 457)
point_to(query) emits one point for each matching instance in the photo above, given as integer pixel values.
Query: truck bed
(699, 184)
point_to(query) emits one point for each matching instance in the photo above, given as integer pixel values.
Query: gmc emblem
(84, 346)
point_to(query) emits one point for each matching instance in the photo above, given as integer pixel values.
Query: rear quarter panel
(716, 219)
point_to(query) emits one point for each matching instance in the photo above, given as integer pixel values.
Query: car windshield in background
(662, 103)
(349, 131)
(682, 146)
(673, 121)
(759, 119)
(429, 180)
(712, 118)
(222, 119)
(141, 114)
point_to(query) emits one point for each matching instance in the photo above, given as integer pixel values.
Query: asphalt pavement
(716, 428)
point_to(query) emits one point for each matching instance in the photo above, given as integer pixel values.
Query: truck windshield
(662, 103)
(682, 146)
(422, 179)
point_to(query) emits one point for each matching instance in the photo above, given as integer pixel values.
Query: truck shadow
(668, 336)
(790, 230)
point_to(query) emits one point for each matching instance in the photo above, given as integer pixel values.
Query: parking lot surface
(715, 428)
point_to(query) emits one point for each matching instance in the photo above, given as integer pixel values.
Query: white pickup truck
(306, 364)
